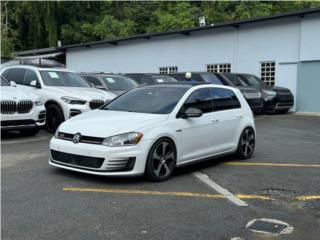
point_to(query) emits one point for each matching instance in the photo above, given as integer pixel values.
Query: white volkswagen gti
(64, 93)
(20, 110)
(153, 129)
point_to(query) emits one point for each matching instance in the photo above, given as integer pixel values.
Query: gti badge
(76, 138)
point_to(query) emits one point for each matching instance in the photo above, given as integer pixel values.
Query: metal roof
(185, 32)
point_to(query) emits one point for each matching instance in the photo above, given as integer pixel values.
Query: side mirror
(13, 84)
(191, 113)
(35, 83)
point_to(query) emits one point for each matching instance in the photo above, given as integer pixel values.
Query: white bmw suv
(64, 93)
(153, 129)
(20, 110)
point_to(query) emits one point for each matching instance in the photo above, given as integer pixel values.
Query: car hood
(118, 92)
(82, 92)
(279, 89)
(14, 93)
(105, 123)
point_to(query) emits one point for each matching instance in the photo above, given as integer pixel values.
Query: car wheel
(54, 117)
(161, 160)
(29, 132)
(246, 143)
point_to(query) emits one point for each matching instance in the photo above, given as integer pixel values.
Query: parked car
(114, 83)
(153, 129)
(276, 99)
(20, 110)
(251, 94)
(64, 93)
(150, 78)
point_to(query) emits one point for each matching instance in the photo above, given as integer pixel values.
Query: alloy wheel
(247, 142)
(163, 159)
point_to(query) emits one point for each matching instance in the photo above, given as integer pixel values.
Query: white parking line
(205, 179)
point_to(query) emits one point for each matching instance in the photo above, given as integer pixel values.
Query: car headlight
(268, 94)
(126, 139)
(72, 100)
(38, 102)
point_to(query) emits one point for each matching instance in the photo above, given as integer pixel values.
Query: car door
(227, 117)
(196, 133)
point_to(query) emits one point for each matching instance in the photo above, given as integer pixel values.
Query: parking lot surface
(280, 182)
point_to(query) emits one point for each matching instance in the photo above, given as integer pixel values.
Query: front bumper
(112, 157)
(35, 118)
(256, 104)
(280, 102)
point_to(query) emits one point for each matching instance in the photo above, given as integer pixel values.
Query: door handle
(239, 116)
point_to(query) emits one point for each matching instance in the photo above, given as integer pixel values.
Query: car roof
(39, 68)
(186, 84)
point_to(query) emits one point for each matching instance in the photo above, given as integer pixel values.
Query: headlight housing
(72, 100)
(122, 140)
(38, 102)
(268, 94)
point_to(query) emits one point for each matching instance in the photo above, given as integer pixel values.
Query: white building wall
(285, 41)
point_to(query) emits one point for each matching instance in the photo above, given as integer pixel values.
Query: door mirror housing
(191, 113)
(35, 83)
(13, 84)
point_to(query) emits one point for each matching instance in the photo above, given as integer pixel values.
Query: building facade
(283, 50)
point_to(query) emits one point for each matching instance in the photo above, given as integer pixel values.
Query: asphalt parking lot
(281, 181)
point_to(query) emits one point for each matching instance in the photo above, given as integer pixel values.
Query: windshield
(116, 83)
(235, 80)
(63, 79)
(4, 82)
(251, 80)
(211, 78)
(164, 79)
(155, 100)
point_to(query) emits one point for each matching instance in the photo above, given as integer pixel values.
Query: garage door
(308, 88)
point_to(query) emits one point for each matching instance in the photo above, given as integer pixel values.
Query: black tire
(29, 132)
(246, 144)
(161, 160)
(54, 117)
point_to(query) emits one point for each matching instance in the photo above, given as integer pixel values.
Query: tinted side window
(224, 99)
(200, 99)
(16, 75)
(29, 76)
(92, 80)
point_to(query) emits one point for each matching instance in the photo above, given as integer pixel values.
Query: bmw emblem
(76, 138)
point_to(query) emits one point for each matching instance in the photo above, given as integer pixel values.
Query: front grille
(76, 160)
(8, 107)
(285, 97)
(83, 139)
(24, 106)
(94, 104)
(11, 107)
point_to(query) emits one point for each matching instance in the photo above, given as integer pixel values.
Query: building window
(168, 70)
(267, 70)
(222, 67)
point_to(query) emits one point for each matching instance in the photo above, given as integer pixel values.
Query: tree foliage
(38, 24)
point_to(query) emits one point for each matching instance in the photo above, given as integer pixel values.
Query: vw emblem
(76, 138)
